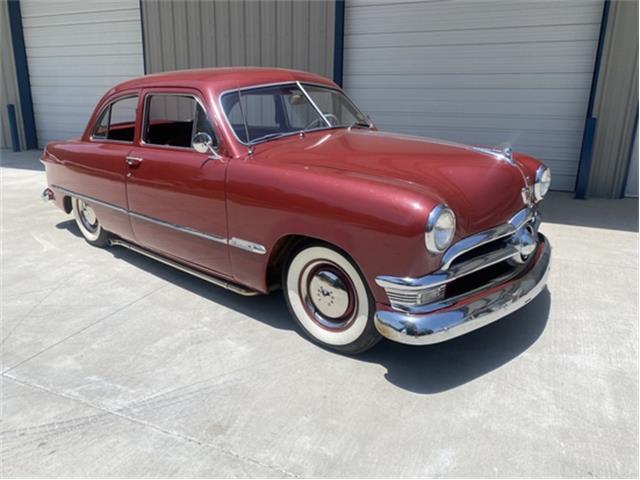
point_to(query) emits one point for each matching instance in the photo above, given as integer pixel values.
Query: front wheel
(329, 299)
(88, 223)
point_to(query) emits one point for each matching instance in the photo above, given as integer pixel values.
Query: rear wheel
(329, 299)
(88, 223)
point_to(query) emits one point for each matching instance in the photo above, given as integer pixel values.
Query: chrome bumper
(470, 313)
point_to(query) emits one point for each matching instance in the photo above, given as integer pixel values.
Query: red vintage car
(257, 179)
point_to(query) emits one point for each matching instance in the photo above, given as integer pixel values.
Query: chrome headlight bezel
(542, 182)
(440, 213)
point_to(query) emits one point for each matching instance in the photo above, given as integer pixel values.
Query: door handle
(133, 162)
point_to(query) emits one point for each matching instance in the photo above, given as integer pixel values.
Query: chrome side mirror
(203, 143)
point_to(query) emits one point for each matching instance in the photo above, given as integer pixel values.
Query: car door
(176, 195)
(95, 168)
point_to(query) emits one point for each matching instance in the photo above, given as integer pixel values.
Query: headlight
(543, 181)
(441, 226)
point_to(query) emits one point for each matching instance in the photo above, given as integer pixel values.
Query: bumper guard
(469, 313)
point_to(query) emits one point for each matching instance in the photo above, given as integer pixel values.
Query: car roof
(221, 79)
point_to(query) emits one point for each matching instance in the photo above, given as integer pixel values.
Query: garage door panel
(391, 81)
(508, 35)
(560, 126)
(480, 136)
(471, 94)
(79, 18)
(478, 72)
(75, 81)
(516, 61)
(76, 51)
(90, 34)
(50, 8)
(465, 15)
(128, 48)
(557, 109)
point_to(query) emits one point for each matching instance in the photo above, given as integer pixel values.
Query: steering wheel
(333, 120)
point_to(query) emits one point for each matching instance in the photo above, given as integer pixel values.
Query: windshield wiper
(266, 137)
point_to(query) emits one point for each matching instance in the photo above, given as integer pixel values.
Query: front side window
(173, 119)
(117, 121)
(269, 112)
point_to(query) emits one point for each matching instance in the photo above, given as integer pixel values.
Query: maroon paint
(364, 191)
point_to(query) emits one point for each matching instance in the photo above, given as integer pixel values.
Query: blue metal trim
(584, 165)
(13, 127)
(338, 43)
(144, 50)
(22, 74)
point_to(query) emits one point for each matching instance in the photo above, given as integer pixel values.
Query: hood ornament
(501, 152)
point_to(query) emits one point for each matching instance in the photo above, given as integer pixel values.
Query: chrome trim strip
(313, 104)
(178, 228)
(197, 273)
(87, 198)
(440, 326)
(145, 111)
(248, 246)
(234, 242)
(113, 100)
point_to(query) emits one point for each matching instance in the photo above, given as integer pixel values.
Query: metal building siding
(283, 33)
(479, 72)
(616, 103)
(9, 88)
(76, 51)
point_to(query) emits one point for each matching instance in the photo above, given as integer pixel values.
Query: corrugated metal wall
(616, 101)
(9, 88)
(202, 33)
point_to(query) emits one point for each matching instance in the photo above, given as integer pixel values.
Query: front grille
(493, 274)
(491, 262)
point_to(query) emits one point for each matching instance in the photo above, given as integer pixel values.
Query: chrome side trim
(234, 242)
(248, 246)
(196, 273)
(462, 317)
(178, 228)
(87, 198)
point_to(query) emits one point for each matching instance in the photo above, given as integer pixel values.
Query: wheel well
(66, 203)
(280, 254)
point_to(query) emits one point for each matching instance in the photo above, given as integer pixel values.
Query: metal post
(13, 126)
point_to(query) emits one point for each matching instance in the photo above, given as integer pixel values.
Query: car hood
(483, 189)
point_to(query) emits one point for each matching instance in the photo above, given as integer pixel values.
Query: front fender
(380, 225)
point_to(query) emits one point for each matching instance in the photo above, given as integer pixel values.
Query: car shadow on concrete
(424, 370)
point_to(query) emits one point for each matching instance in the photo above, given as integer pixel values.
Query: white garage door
(477, 72)
(77, 50)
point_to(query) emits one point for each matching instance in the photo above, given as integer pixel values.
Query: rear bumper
(469, 313)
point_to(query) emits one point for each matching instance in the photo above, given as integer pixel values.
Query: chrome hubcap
(328, 295)
(88, 216)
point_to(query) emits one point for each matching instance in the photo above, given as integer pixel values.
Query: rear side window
(117, 121)
(173, 119)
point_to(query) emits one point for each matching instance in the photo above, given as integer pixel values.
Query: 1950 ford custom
(255, 179)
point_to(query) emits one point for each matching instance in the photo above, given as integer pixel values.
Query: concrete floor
(114, 365)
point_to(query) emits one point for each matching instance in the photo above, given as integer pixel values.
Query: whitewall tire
(88, 223)
(329, 299)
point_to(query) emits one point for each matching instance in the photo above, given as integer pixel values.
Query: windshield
(268, 112)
